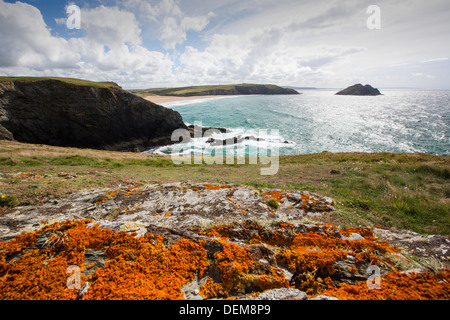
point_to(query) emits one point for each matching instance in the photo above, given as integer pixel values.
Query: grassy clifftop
(228, 89)
(409, 191)
(80, 82)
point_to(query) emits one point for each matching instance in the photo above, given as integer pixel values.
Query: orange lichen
(277, 195)
(352, 269)
(398, 286)
(211, 289)
(102, 200)
(140, 269)
(145, 268)
(214, 187)
(211, 187)
(29, 175)
(136, 268)
(234, 263)
(311, 251)
(217, 232)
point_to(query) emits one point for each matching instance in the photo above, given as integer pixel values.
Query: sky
(162, 43)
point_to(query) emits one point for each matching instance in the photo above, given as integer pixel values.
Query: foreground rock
(59, 113)
(204, 241)
(360, 90)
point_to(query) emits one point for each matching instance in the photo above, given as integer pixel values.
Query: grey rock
(282, 293)
(94, 256)
(353, 236)
(191, 290)
(324, 297)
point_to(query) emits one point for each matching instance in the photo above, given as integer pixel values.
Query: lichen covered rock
(183, 241)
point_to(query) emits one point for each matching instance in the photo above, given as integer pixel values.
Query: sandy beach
(164, 99)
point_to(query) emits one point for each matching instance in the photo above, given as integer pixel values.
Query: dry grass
(17, 150)
(394, 190)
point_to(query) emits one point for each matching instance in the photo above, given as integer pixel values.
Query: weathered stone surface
(282, 293)
(278, 244)
(93, 259)
(431, 252)
(172, 206)
(323, 297)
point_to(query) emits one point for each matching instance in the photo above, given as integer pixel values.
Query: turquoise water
(318, 120)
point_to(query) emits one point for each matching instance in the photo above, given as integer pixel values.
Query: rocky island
(360, 90)
(78, 113)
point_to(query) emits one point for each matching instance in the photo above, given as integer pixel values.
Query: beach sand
(164, 99)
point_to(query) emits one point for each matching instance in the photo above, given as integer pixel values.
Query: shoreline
(167, 99)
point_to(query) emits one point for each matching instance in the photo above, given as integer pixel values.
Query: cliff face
(57, 113)
(360, 90)
(244, 90)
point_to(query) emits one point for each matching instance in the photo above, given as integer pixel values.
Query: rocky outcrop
(58, 113)
(205, 241)
(360, 90)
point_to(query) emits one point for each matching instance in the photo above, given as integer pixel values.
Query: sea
(401, 120)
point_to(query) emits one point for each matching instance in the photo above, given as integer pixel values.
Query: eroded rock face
(174, 206)
(61, 114)
(244, 245)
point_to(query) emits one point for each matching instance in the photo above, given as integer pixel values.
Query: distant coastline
(166, 99)
(214, 90)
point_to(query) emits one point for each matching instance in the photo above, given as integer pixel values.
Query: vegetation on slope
(228, 89)
(407, 191)
(80, 82)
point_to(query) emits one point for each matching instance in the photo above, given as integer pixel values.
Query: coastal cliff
(77, 113)
(232, 89)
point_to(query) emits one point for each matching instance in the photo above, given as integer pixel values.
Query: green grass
(197, 90)
(407, 191)
(83, 161)
(273, 203)
(79, 82)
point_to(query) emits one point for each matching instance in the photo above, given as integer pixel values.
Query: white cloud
(273, 54)
(420, 74)
(25, 40)
(175, 25)
(111, 26)
(141, 43)
(167, 16)
(435, 60)
(110, 49)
